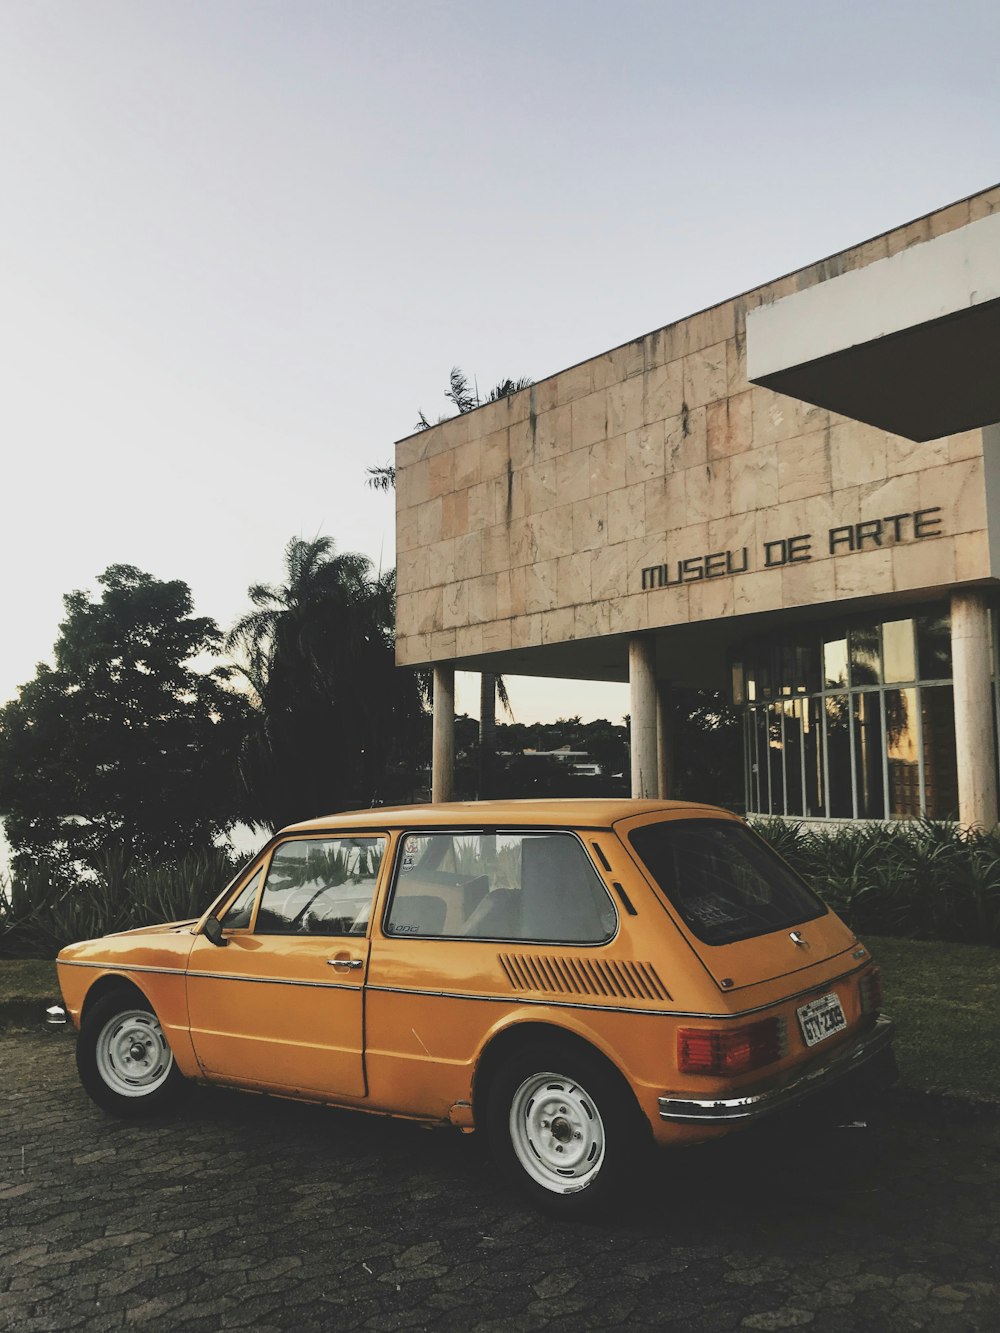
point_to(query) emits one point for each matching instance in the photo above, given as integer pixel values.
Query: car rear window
(725, 882)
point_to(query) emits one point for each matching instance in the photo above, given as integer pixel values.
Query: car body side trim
(549, 1002)
(217, 976)
(615, 1008)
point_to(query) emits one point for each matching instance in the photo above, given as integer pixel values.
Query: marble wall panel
(429, 524)
(686, 439)
(456, 605)
(627, 511)
(496, 636)
(482, 506)
(710, 599)
(729, 426)
(663, 391)
(590, 419)
(757, 592)
(624, 408)
(804, 466)
(960, 491)
(590, 524)
(540, 586)
(609, 572)
(469, 640)
(606, 467)
(910, 456)
(573, 579)
(705, 376)
(482, 599)
(559, 625)
(469, 556)
(413, 571)
(525, 631)
(573, 476)
(455, 513)
(778, 417)
(645, 455)
(972, 556)
(857, 572)
(753, 479)
(496, 548)
(706, 491)
(857, 454)
(808, 582)
(440, 558)
(630, 613)
(591, 620)
(554, 432)
(541, 487)
(924, 564)
(577, 382)
(494, 455)
(408, 528)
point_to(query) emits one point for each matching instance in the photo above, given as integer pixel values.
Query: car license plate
(821, 1018)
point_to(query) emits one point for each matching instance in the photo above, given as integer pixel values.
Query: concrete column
(642, 690)
(443, 745)
(665, 753)
(975, 744)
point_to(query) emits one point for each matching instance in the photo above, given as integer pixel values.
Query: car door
(281, 1004)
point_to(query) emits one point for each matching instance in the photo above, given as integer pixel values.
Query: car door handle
(346, 963)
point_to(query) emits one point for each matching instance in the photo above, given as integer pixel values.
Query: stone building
(794, 495)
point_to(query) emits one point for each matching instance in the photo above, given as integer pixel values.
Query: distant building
(793, 495)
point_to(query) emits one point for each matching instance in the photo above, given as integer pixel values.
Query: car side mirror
(213, 932)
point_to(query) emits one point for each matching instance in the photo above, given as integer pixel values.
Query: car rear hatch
(748, 916)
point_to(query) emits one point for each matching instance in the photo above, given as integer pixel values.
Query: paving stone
(258, 1214)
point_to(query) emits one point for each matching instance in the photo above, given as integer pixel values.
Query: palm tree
(465, 397)
(329, 703)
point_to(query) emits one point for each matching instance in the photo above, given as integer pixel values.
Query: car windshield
(724, 881)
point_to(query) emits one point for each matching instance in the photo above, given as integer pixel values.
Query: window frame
(532, 830)
(324, 835)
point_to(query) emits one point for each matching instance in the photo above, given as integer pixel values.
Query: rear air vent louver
(583, 976)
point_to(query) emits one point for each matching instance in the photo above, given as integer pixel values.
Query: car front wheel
(568, 1126)
(123, 1057)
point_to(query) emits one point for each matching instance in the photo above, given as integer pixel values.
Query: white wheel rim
(133, 1057)
(557, 1133)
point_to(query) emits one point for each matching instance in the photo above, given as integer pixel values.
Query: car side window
(320, 886)
(239, 912)
(540, 887)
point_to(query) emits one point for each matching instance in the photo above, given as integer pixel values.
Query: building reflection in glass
(853, 720)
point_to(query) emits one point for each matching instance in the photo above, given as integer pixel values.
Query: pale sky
(243, 241)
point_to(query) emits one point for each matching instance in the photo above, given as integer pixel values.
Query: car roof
(548, 812)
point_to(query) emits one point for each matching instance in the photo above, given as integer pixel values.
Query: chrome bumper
(55, 1016)
(862, 1055)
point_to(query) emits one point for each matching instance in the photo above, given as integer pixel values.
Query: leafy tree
(330, 708)
(123, 748)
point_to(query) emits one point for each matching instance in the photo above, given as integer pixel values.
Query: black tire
(124, 1061)
(566, 1129)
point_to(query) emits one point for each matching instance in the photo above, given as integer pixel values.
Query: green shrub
(915, 880)
(40, 913)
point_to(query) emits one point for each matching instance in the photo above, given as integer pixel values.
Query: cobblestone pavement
(246, 1212)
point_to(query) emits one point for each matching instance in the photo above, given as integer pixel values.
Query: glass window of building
(852, 720)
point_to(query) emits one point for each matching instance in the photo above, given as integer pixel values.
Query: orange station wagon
(580, 979)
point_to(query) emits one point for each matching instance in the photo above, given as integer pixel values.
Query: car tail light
(870, 987)
(731, 1050)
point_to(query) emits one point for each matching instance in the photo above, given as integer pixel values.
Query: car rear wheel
(568, 1125)
(123, 1057)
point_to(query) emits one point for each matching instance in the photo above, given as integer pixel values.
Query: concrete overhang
(910, 344)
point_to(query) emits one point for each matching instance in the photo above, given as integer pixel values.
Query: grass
(944, 999)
